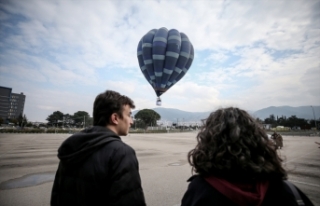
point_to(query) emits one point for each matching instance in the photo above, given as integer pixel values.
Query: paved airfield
(28, 163)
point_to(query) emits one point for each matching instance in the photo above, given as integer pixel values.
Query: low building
(267, 126)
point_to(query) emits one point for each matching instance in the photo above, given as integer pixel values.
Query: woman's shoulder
(197, 180)
(286, 193)
(197, 183)
(201, 193)
(279, 191)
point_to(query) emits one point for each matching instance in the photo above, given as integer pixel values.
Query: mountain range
(176, 115)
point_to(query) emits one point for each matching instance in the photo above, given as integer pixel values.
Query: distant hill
(174, 115)
(304, 112)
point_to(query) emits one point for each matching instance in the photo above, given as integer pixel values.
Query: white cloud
(189, 96)
(219, 56)
(86, 47)
(44, 107)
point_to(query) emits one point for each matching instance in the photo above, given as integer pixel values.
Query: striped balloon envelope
(164, 56)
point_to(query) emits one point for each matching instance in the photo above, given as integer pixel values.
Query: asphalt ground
(28, 163)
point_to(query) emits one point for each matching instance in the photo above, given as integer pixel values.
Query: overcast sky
(250, 54)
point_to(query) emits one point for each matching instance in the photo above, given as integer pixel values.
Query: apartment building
(11, 104)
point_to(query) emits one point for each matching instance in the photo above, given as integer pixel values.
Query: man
(278, 141)
(96, 167)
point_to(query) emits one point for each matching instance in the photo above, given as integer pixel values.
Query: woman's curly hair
(232, 145)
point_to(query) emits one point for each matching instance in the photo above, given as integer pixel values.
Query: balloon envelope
(164, 57)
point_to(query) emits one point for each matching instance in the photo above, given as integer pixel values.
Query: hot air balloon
(164, 56)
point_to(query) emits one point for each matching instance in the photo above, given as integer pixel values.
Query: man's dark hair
(108, 103)
(232, 145)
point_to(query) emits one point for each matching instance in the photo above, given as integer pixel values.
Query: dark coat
(279, 141)
(201, 193)
(97, 168)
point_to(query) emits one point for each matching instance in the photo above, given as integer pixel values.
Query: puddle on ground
(179, 163)
(27, 180)
(175, 164)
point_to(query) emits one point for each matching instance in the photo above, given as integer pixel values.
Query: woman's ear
(114, 118)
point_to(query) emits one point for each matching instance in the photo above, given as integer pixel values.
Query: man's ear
(114, 118)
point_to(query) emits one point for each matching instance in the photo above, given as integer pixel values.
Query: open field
(28, 163)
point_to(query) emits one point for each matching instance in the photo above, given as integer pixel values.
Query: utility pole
(135, 123)
(84, 121)
(182, 124)
(152, 117)
(314, 117)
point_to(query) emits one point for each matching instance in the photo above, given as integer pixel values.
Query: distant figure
(236, 164)
(96, 167)
(278, 140)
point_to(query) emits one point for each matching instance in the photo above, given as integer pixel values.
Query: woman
(236, 164)
(277, 139)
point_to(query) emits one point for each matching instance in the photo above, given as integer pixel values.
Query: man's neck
(112, 128)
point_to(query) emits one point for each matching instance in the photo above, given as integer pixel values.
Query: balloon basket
(158, 101)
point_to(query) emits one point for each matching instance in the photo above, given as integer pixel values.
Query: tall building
(11, 104)
(5, 94)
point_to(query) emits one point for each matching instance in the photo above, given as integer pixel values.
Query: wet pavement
(27, 181)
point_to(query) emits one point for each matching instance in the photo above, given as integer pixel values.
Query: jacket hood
(240, 193)
(80, 145)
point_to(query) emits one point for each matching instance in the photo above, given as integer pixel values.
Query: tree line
(293, 122)
(56, 119)
(149, 117)
(78, 119)
(21, 121)
(145, 118)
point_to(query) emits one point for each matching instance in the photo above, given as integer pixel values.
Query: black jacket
(201, 193)
(97, 168)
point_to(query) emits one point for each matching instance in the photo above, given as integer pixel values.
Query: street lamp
(152, 119)
(183, 124)
(314, 116)
(134, 119)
